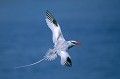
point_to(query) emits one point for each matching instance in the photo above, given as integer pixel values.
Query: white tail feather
(30, 64)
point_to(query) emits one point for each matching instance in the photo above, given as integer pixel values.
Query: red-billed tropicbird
(61, 46)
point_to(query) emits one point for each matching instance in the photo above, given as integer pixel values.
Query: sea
(25, 38)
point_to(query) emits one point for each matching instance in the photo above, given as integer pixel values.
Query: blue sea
(25, 38)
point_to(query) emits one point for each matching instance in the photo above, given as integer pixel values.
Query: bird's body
(60, 47)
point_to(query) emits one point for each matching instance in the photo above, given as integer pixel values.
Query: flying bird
(60, 47)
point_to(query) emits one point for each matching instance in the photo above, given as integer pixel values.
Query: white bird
(61, 46)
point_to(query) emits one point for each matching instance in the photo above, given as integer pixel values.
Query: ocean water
(25, 38)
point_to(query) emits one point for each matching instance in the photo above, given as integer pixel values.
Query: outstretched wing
(65, 59)
(55, 28)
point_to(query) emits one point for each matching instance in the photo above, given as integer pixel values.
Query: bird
(61, 46)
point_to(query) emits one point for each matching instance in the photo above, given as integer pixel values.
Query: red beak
(77, 43)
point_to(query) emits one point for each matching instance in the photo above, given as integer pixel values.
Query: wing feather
(65, 59)
(55, 28)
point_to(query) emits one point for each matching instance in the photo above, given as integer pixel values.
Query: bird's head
(72, 43)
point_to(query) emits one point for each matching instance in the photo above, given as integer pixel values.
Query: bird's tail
(30, 64)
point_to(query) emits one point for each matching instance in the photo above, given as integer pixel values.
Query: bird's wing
(55, 28)
(65, 59)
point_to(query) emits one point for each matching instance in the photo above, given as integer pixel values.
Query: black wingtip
(68, 62)
(50, 17)
(47, 11)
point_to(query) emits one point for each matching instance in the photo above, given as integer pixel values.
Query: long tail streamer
(31, 64)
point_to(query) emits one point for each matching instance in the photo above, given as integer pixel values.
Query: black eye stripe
(73, 42)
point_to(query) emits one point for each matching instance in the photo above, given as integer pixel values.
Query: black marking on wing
(68, 62)
(51, 18)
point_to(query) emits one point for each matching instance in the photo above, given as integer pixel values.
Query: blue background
(25, 37)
